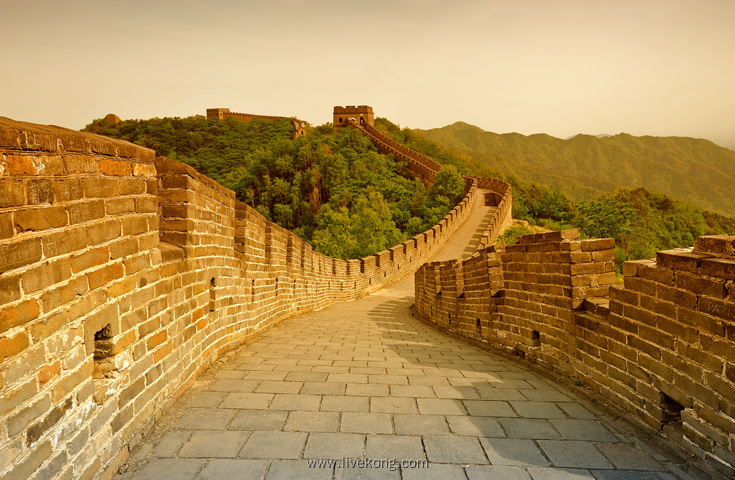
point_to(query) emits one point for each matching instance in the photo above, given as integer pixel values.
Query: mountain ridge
(586, 166)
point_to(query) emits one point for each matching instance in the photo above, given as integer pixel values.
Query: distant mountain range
(585, 166)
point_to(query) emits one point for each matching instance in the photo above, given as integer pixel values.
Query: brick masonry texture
(123, 275)
(661, 346)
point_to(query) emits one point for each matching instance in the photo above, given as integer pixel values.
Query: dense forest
(640, 220)
(331, 187)
(584, 167)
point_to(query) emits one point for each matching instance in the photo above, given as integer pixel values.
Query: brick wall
(660, 346)
(123, 275)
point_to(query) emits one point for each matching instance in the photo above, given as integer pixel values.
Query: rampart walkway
(363, 379)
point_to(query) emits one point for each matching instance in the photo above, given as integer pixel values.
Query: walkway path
(364, 380)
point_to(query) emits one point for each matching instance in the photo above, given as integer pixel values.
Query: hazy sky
(659, 67)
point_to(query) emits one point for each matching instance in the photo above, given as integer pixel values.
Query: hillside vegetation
(584, 167)
(641, 221)
(332, 188)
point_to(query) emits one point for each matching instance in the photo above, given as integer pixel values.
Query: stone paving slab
(363, 380)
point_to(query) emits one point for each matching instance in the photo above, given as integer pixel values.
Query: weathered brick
(156, 340)
(67, 190)
(39, 191)
(32, 461)
(48, 373)
(71, 380)
(45, 275)
(162, 352)
(131, 187)
(105, 275)
(99, 187)
(598, 244)
(10, 346)
(19, 421)
(680, 260)
(10, 399)
(90, 259)
(6, 226)
(117, 206)
(19, 254)
(701, 285)
(719, 267)
(12, 193)
(80, 164)
(134, 225)
(21, 165)
(9, 289)
(86, 211)
(51, 325)
(36, 431)
(719, 244)
(17, 315)
(131, 391)
(680, 297)
(147, 204)
(717, 308)
(114, 167)
(40, 219)
(123, 248)
(64, 294)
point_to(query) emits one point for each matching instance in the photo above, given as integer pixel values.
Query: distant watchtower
(362, 114)
(218, 113)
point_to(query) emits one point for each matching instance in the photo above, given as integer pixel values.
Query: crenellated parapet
(660, 346)
(222, 113)
(123, 275)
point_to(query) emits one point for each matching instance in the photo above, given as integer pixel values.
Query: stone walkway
(363, 380)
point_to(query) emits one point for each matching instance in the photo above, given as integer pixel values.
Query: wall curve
(123, 275)
(660, 346)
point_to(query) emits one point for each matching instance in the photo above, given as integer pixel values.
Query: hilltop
(331, 187)
(585, 166)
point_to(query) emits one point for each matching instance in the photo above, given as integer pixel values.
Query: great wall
(124, 275)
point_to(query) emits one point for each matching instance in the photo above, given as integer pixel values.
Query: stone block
(17, 315)
(717, 244)
(40, 219)
(89, 259)
(105, 275)
(9, 289)
(11, 346)
(681, 260)
(38, 429)
(19, 254)
(39, 191)
(64, 294)
(12, 193)
(719, 267)
(32, 461)
(6, 226)
(19, 421)
(67, 190)
(114, 167)
(99, 187)
(86, 211)
(72, 380)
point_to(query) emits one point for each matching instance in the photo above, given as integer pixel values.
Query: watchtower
(218, 113)
(362, 115)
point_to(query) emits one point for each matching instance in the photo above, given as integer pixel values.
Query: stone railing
(123, 275)
(661, 346)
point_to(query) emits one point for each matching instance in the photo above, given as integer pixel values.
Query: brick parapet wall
(660, 346)
(123, 275)
(426, 169)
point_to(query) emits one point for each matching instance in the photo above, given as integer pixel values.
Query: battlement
(362, 114)
(123, 275)
(222, 113)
